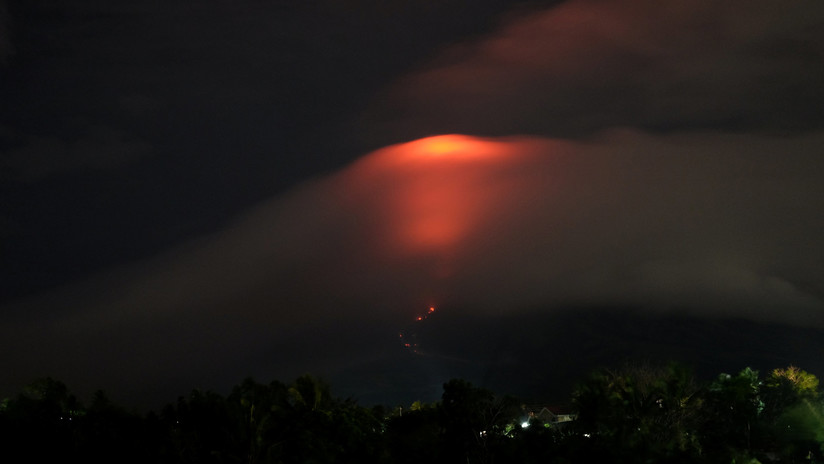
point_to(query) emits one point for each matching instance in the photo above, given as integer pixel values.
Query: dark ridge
(540, 355)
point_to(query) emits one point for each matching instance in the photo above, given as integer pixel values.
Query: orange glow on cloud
(442, 188)
(454, 145)
(441, 145)
(450, 147)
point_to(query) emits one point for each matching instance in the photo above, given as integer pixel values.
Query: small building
(548, 415)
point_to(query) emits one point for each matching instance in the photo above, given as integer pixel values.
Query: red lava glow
(459, 145)
(440, 189)
(431, 197)
(451, 147)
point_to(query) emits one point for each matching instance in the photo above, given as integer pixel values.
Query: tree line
(633, 414)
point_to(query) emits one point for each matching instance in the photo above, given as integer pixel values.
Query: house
(547, 415)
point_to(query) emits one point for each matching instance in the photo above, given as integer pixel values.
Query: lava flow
(409, 336)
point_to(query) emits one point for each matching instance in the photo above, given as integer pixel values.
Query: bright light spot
(450, 146)
(443, 144)
(431, 309)
(525, 424)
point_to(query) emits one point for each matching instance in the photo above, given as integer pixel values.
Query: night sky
(192, 192)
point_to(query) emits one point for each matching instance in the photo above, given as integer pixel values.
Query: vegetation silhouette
(636, 413)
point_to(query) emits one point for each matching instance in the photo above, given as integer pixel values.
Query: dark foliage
(636, 414)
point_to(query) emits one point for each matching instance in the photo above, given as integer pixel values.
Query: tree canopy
(635, 413)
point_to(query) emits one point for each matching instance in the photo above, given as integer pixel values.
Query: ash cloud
(707, 224)
(586, 65)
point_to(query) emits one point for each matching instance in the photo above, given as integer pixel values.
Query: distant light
(525, 424)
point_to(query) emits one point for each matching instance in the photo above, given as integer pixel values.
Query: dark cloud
(714, 225)
(6, 48)
(100, 148)
(586, 65)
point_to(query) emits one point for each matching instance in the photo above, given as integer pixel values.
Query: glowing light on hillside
(443, 188)
(432, 194)
(449, 147)
(444, 144)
